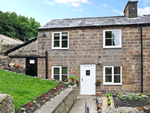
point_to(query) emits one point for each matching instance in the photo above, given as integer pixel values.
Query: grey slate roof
(95, 21)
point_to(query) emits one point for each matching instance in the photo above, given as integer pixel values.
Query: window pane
(115, 34)
(64, 44)
(56, 70)
(116, 70)
(116, 78)
(108, 78)
(116, 42)
(108, 70)
(108, 42)
(56, 77)
(64, 35)
(64, 78)
(87, 72)
(64, 70)
(56, 43)
(108, 34)
(56, 36)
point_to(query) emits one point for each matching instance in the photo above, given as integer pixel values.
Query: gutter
(141, 59)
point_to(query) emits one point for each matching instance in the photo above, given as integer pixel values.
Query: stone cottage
(114, 50)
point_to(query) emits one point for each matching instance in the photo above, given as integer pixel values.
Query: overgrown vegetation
(17, 26)
(23, 88)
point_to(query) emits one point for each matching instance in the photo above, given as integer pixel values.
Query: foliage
(140, 94)
(23, 88)
(98, 82)
(17, 26)
(140, 97)
(110, 94)
(109, 103)
(116, 97)
(122, 97)
(130, 98)
(135, 97)
(149, 101)
(119, 94)
(148, 94)
(130, 95)
(108, 99)
(107, 95)
(73, 77)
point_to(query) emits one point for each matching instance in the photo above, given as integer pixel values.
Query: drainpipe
(141, 60)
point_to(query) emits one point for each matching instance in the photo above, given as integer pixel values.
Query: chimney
(130, 10)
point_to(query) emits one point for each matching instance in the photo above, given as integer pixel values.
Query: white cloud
(117, 11)
(75, 4)
(144, 11)
(105, 5)
(50, 3)
(77, 9)
(81, 9)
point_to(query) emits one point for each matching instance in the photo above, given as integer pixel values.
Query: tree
(16, 26)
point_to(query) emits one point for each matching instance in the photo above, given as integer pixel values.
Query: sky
(45, 10)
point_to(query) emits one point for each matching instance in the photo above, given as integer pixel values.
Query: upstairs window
(60, 40)
(112, 39)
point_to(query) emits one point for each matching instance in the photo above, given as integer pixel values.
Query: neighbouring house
(114, 50)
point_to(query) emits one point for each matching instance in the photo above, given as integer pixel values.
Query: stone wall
(3, 62)
(86, 44)
(8, 40)
(6, 104)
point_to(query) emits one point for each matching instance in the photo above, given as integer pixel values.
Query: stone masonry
(86, 44)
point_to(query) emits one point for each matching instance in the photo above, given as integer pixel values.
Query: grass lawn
(23, 88)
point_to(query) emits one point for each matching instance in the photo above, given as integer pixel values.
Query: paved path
(79, 106)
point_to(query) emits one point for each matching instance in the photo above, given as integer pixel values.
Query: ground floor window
(60, 73)
(112, 75)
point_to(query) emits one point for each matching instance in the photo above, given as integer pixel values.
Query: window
(112, 75)
(87, 72)
(60, 73)
(112, 39)
(60, 40)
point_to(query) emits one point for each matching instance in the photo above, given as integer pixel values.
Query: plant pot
(17, 66)
(98, 93)
(21, 66)
(70, 79)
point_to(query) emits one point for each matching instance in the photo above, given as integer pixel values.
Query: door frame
(36, 59)
(81, 78)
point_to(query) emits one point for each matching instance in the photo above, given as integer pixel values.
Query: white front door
(87, 79)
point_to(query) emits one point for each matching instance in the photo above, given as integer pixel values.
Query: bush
(140, 94)
(119, 94)
(107, 95)
(108, 99)
(109, 103)
(110, 94)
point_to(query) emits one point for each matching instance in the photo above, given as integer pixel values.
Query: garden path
(79, 106)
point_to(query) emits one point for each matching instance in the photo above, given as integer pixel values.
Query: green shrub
(108, 99)
(130, 98)
(148, 94)
(109, 103)
(119, 94)
(107, 95)
(110, 94)
(130, 95)
(140, 94)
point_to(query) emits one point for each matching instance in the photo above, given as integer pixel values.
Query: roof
(95, 21)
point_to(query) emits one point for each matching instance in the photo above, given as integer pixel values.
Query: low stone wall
(3, 62)
(67, 103)
(62, 103)
(16, 70)
(6, 104)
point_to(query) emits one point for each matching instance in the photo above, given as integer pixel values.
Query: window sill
(59, 48)
(109, 47)
(112, 84)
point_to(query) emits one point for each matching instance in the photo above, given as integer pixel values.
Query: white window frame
(60, 72)
(60, 41)
(120, 46)
(112, 83)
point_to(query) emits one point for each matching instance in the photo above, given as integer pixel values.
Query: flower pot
(21, 66)
(98, 93)
(70, 79)
(17, 66)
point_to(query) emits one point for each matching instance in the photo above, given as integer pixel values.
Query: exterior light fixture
(44, 34)
(99, 61)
